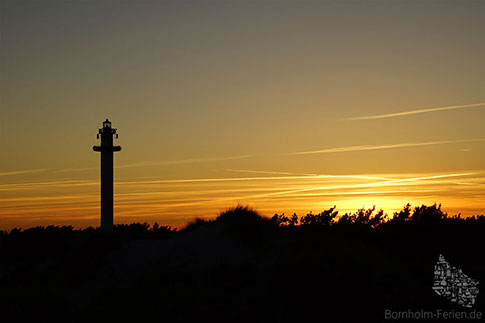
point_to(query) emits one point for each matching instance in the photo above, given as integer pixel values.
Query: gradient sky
(288, 106)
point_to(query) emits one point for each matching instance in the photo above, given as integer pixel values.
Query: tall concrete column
(107, 149)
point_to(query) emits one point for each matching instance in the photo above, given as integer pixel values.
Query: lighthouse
(106, 148)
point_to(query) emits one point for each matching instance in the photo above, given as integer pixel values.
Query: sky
(285, 106)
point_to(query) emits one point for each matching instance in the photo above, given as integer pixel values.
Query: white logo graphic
(453, 284)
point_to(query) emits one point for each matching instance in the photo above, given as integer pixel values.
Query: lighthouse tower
(107, 133)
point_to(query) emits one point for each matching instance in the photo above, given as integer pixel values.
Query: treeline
(64, 244)
(132, 230)
(370, 218)
(243, 215)
(373, 218)
(239, 266)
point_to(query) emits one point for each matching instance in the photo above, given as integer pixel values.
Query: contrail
(405, 113)
(370, 147)
(161, 163)
(391, 182)
(42, 185)
(298, 175)
(184, 161)
(244, 179)
(268, 172)
(21, 172)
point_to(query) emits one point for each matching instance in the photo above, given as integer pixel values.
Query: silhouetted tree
(363, 218)
(323, 219)
(428, 214)
(283, 221)
(403, 215)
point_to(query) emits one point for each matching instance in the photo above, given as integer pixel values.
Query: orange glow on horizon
(176, 201)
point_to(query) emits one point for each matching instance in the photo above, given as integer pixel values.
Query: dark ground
(239, 268)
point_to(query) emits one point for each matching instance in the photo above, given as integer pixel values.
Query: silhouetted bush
(246, 224)
(195, 223)
(241, 215)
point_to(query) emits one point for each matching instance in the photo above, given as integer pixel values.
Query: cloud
(267, 172)
(405, 113)
(22, 172)
(361, 193)
(44, 184)
(378, 147)
(222, 179)
(183, 161)
(303, 175)
(391, 182)
(293, 192)
(159, 163)
(244, 179)
(69, 170)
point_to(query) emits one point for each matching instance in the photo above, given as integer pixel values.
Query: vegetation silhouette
(240, 267)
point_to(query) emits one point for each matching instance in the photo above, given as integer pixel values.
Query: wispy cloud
(362, 193)
(70, 170)
(183, 161)
(22, 172)
(49, 198)
(391, 182)
(245, 179)
(303, 175)
(50, 201)
(378, 147)
(426, 110)
(267, 172)
(42, 185)
(159, 163)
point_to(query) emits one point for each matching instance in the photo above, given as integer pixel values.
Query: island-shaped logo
(453, 284)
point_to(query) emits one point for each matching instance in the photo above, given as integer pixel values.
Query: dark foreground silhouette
(240, 267)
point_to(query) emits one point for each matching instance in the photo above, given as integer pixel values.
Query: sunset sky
(286, 106)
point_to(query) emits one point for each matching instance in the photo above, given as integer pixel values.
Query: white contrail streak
(21, 172)
(391, 182)
(268, 172)
(235, 179)
(160, 163)
(184, 161)
(405, 113)
(377, 147)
